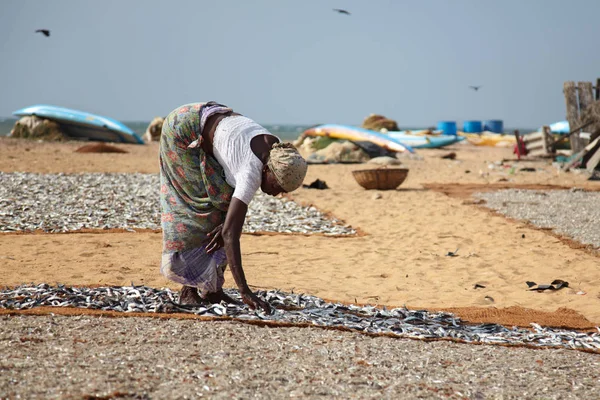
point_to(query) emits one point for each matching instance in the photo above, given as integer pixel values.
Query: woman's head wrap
(287, 165)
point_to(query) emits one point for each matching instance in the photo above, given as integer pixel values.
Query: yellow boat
(489, 139)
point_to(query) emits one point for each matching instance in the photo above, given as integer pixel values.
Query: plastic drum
(447, 127)
(494, 125)
(472, 127)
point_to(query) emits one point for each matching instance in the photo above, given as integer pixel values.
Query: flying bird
(475, 88)
(341, 11)
(46, 32)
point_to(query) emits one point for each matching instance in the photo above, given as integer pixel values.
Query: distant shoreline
(285, 131)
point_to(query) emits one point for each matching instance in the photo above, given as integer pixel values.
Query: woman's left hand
(216, 240)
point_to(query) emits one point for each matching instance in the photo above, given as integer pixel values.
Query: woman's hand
(215, 240)
(253, 301)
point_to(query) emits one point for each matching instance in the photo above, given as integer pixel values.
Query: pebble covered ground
(141, 358)
(68, 202)
(573, 213)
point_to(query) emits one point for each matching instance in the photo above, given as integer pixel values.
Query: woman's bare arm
(232, 230)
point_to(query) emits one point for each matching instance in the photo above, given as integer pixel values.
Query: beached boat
(489, 139)
(82, 125)
(424, 139)
(354, 133)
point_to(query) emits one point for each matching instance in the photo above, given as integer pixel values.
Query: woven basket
(380, 178)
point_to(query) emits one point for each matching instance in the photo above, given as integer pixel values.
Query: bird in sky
(46, 32)
(475, 88)
(341, 11)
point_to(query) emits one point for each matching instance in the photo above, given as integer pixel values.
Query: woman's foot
(220, 296)
(189, 296)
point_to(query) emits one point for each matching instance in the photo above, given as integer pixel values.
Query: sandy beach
(477, 277)
(397, 259)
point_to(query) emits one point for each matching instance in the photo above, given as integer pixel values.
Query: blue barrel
(447, 127)
(494, 125)
(472, 127)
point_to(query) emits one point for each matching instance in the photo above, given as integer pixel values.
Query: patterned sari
(194, 199)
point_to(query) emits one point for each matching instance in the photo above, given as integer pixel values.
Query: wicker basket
(380, 178)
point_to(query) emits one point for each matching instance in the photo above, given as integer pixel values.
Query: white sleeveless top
(231, 147)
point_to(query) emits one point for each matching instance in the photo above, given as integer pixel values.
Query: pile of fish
(68, 202)
(573, 213)
(298, 309)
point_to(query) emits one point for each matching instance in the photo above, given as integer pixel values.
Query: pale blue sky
(283, 61)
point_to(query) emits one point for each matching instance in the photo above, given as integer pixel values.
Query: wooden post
(570, 92)
(518, 146)
(591, 158)
(548, 140)
(586, 98)
(597, 89)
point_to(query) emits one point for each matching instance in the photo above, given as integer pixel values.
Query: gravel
(95, 357)
(69, 202)
(573, 213)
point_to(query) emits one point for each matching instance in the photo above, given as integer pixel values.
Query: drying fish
(68, 202)
(571, 213)
(296, 308)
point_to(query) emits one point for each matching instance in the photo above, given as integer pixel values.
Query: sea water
(286, 132)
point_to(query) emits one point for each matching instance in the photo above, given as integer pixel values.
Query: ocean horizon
(284, 131)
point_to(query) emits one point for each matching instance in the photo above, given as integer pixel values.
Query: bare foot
(220, 296)
(189, 296)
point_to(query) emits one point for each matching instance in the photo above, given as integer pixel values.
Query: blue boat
(354, 133)
(82, 125)
(424, 141)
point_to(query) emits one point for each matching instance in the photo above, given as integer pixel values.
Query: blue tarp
(560, 127)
